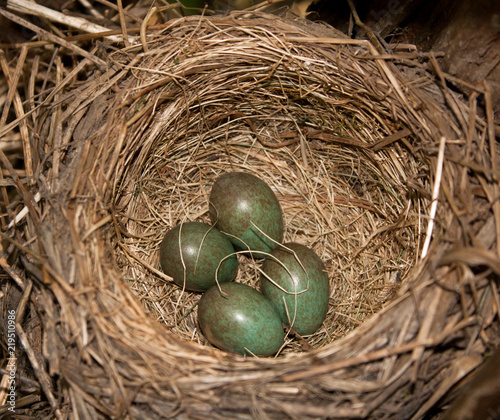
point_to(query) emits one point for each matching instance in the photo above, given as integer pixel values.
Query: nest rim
(232, 370)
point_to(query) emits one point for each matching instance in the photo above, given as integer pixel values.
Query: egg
(246, 209)
(205, 252)
(301, 288)
(240, 320)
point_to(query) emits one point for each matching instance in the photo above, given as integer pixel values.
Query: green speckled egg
(240, 320)
(243, 206)
(203, 248)
(309, 280)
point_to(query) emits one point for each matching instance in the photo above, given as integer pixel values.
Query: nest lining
(208, 95)
(358, 284)
(273, 113)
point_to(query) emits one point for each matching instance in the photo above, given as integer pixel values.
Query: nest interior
(306, 126)
(381, 168)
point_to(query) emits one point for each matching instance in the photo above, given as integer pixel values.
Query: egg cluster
(246, 217)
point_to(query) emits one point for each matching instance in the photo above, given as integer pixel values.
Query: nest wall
(363, 149)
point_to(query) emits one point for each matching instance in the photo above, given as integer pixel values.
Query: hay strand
(346, 138)
(34, 9)
(435, 196)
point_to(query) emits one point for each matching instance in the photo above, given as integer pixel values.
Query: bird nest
(380, 166)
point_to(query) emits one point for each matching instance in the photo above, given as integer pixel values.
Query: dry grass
(343, 201)
(348, 139)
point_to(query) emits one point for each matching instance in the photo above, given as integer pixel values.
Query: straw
(125, 142)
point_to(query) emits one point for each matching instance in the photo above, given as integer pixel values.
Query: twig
(390, 139)
(123, 25)
(32, 8)
(8, 269)
(435, 195)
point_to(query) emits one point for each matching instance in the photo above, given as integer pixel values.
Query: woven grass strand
(310, 112)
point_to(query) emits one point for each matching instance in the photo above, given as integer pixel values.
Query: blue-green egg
(240, 320)
(246, 209)
(296, 282)
(193, 253)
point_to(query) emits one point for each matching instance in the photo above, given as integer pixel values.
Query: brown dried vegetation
(389, 175)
